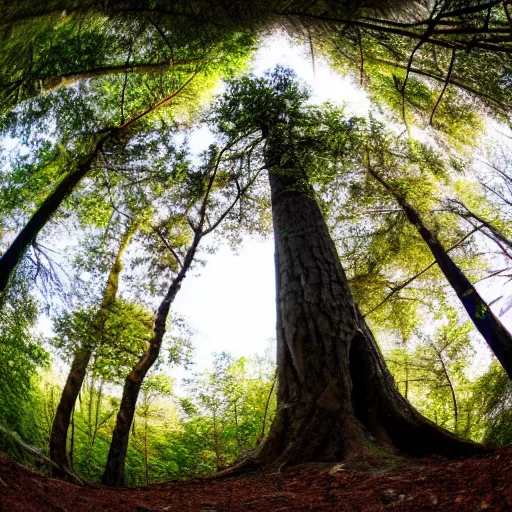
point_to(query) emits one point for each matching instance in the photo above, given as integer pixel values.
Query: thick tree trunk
(12, 257)
(489, 326)
(335, 397)
(76, 376)
(114, 469)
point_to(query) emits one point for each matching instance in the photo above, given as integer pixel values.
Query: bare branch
(447, 81)
(169, 246)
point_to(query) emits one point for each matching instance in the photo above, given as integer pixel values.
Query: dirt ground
(480, 483)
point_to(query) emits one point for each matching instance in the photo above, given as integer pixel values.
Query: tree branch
(448, 75)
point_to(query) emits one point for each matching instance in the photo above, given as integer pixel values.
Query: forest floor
(480, 483)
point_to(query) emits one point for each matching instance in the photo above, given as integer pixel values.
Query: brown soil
(480, 483)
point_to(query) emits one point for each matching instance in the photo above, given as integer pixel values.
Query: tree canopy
(386, 227)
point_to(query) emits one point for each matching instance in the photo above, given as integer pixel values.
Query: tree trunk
(12, 257)
(114, 469)
(237, 431)
(66, 80)
(489, 326)
(335, 397)
(97, 415)
(265, 412)
(146, 466)
(60, 426)
(216, 442)
(76, 376)
(452, 390)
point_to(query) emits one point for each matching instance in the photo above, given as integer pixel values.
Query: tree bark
(76, 376)
(265, 412)
(12, 257)
(114, 469)
(489, 326)
(336, 399)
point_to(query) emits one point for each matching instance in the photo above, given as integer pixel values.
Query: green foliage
(232, 398)
(432, 373)
(21, 354)
(492, 396)
(72, 73)
(170, 437)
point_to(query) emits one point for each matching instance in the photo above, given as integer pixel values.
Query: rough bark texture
(76, 376)
(336, 399)
(114, 469)
(12, 257)
(489, 326)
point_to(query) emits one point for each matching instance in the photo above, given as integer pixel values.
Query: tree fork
(114, 470)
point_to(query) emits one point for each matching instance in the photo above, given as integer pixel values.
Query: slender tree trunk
(72, 442)
(76, 376)
(89, 405)
(237, 431)
(489, 326)
(114, 469)
(452, 390)
(55, 82)
(216, 442)
(146, 468)
(12, 257)
(406, 394)
(267, 404)
(97, 414)
(335, 397)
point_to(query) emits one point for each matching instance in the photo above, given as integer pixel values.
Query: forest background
(222, 411)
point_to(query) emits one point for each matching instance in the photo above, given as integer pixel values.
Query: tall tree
(80, 362)
(335, 397)
(14, 254)
(487, 323)
(203, 185)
